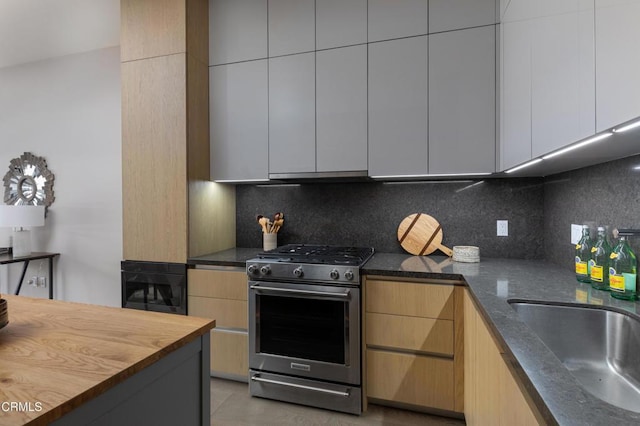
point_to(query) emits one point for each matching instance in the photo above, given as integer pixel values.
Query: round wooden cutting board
(420, 234)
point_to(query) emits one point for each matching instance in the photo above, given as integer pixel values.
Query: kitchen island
(70, 363)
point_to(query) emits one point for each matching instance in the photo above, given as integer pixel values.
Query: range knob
(334, 274)
(349, 275)
(252, 269)
(265, 270)
(298, 272)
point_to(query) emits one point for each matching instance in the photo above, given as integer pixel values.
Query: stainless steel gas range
(304, 325)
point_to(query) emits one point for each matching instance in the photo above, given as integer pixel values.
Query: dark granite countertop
(231, 257)
(493, 282)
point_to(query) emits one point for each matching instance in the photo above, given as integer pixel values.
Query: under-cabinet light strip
(627, 127)
(429, 175)
(578, 145)
(522, 166)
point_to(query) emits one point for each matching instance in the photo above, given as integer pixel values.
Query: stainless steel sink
(601, 348)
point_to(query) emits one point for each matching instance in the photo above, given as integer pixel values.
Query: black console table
(6, 259)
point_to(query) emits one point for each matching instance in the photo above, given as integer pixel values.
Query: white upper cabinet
(389, 19)
(291, 27)
(292, 114)
(462, 101)
(341, 109)
(239, 124)
(398, 107)
(548, 78)
(447, 15)
(515, 90)
(340, 23)
(237, 30)
(562, 80)
(617, 34)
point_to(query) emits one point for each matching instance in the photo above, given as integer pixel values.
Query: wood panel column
(169, 205)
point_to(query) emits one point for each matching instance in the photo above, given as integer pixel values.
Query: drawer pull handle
(294, 385)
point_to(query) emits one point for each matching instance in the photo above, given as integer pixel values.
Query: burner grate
(319, 254)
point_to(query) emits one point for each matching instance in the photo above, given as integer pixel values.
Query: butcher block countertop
(56, 356)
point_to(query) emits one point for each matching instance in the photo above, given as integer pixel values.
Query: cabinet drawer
(227, 313)
(411, 379)
(411, 333)
(413, 299)
(229, 353)
(220, 284)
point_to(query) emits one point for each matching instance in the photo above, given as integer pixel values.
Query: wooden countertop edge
(100, 388)
(201, 326)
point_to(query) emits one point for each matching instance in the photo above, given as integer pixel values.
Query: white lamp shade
(21, 216)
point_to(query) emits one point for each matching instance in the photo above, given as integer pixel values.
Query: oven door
(305, 330)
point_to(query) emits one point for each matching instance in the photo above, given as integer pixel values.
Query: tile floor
(231, 404)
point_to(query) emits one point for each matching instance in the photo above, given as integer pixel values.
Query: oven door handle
(344, 295)
(295, 385)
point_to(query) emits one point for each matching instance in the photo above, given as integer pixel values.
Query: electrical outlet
(503, 228)
(576, 233)
(42, 281)
(33, 281)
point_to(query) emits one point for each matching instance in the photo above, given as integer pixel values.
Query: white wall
(67, 110)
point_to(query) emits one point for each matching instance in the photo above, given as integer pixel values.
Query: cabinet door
(340, 23)
(462, 110)
(341, 108)
(237, 30)
(389, 19)
(291, 27)
(229, 354)
(398, 107)
(292, 114)
(515, 118)
(562, 80)
(239, 121)
(491, 393)
(447, 15)
(617, 35)
(410, 379)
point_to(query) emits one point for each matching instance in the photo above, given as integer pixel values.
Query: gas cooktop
(310, 263)
(319, 254)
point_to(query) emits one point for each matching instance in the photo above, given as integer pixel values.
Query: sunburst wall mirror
(28, 182)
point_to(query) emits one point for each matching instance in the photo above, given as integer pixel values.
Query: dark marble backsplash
(368, 213)
(606, 194)
(540, 211)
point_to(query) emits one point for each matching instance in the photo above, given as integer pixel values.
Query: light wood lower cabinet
(413, 354)
(492, 396)
(221, 294)
(229, 353)
(410, 379)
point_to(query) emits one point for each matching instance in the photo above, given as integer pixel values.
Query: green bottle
(623, 272)
(583, 256)
(599, 263)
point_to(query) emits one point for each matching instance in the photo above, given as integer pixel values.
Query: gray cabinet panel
(562, 81)
(398, 107)
(447, 15)
(389, 19)
(291, 26)
(292, 114)
(515, 141)
(617, 37)
(239, 121)
(340, 23)
(462, 101)
(237, 30)
(341, 109)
